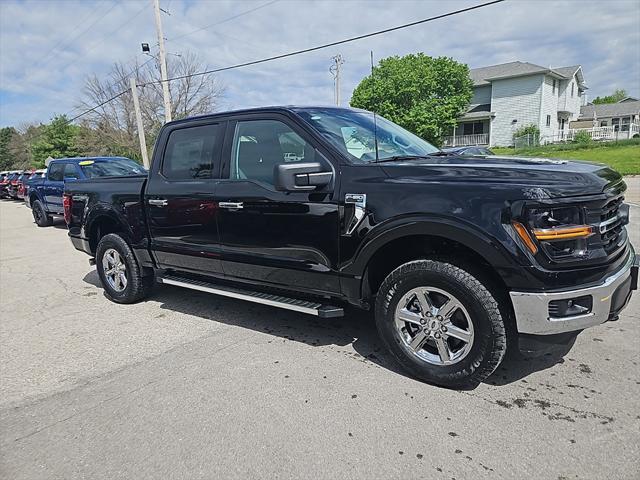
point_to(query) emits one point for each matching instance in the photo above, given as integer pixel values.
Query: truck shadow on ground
(354, 335)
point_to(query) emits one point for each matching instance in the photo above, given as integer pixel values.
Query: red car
(5, 183)
(16, 185)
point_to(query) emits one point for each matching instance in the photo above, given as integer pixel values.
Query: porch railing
(466, 140)
(604, 134)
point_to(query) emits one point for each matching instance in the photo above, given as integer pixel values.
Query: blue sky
(47, 48)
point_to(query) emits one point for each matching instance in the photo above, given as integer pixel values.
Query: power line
(332, 44)
(299, 52)
(75, 37)
(137, 67)
(225, 20)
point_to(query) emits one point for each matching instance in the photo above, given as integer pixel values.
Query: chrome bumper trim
(532, 308)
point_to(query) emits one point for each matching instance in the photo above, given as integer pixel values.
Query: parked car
(45, 193)
(14, 184)
(4, 180)
(456, 258)
(468, 151)
(33, 178)
(21, 184)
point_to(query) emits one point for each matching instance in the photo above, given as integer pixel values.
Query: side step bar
(303, 306)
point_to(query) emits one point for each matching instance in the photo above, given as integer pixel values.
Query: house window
(472, 128)
(604, 123)
(549, 120)
(571, 90)
(553, 89)
(615, 123)
(625, 124)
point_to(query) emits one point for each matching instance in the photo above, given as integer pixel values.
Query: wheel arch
(408, 239)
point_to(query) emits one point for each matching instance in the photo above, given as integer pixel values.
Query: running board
(303, 306)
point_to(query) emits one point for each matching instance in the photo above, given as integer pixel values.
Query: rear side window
(191, 153)
(70, 171)
(56, 172)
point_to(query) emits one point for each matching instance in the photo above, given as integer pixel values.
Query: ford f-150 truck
(45, 193)
(314, 209)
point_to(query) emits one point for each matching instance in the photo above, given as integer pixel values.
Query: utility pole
(163, 64)
(335, 71)
(136, 106)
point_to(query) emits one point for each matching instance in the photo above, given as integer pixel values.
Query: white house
(621, 118)
(511, 95)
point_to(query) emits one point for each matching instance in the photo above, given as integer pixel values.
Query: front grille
(610, 233)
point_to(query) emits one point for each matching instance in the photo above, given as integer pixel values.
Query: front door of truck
(179, 198)
(268, 236)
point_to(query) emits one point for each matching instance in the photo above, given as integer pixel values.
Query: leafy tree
(57, 140)
(6, 134)
(423, 94)
(616, 96)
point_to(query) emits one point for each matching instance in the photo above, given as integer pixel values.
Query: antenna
(375, 122)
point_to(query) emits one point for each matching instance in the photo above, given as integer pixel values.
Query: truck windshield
(354, 134)
(116, 167)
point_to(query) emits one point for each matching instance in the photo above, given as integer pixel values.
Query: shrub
(530, 129)
(582, 137)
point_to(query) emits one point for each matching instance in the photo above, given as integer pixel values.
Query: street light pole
(163, 64)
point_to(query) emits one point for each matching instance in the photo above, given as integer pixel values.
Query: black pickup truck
(314, 209)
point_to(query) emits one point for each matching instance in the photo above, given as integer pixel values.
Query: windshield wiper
(397, 158)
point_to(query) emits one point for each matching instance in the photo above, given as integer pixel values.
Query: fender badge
(359, 199)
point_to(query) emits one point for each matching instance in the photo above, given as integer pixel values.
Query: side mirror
(301, 177)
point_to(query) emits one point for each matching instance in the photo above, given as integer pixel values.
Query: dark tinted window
(70, 171)
(259, 145)
(117, 167)
(56, 172)
(190, 153)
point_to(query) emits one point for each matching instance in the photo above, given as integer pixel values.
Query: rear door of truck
(179, 197)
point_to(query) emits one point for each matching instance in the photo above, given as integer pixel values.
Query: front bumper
(608, 299)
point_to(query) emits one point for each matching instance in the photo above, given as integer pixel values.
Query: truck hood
(536, 178)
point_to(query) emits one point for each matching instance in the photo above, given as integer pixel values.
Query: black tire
(40, 215)
(489, 341)
(137, 286)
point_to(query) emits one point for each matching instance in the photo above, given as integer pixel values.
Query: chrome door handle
(158, 202)
(231, 205)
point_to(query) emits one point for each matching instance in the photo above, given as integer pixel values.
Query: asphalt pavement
(188, 385)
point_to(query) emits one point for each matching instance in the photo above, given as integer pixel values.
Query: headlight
(560, 232)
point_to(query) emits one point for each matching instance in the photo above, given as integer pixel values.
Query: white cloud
(37, 80)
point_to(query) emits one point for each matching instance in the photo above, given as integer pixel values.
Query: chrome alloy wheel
(434, 326)
(115, 270)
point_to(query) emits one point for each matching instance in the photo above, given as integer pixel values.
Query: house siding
(515, 99)
(549, 106)
(481, 95)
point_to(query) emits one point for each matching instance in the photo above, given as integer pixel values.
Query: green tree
(616, 96)
(57, 140)
(6, 134)
(423, 94)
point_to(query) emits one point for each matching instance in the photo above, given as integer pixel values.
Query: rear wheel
(441, 323)
(119, 272)
(40, 215)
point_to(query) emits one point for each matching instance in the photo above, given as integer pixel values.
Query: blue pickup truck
(45, 194)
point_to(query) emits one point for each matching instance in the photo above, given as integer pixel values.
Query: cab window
(56, 172)
(190, 153)
(260, 145)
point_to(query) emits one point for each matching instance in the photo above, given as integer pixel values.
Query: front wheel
(119, 272)
(441, 323)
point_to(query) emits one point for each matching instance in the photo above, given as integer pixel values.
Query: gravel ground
(187, 385)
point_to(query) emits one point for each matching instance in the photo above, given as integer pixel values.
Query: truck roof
(84, 159)
(273, 108)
